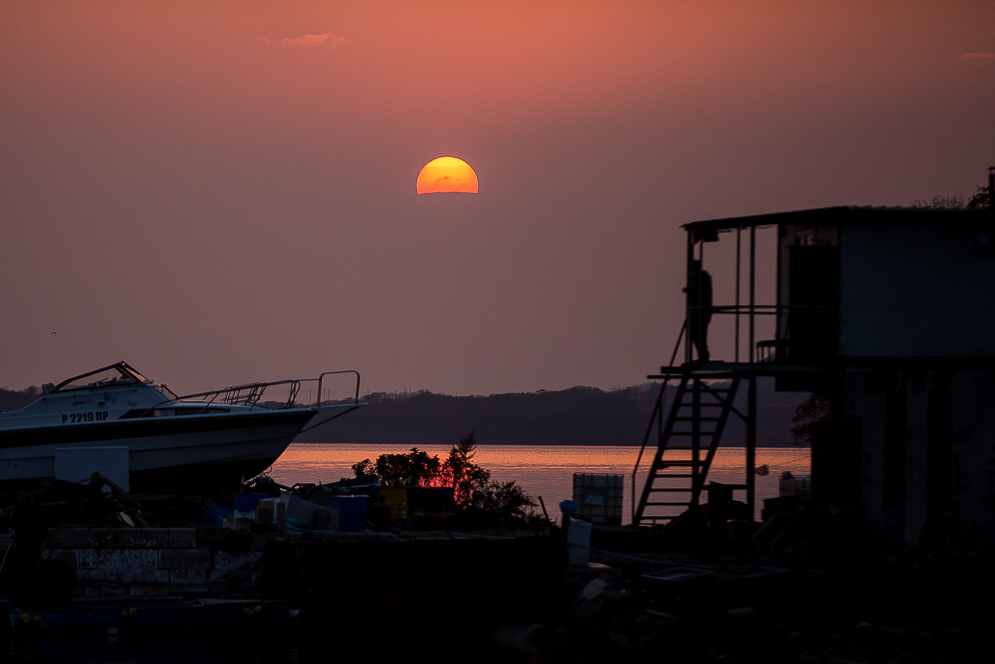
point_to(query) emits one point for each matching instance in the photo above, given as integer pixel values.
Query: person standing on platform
(699, 307)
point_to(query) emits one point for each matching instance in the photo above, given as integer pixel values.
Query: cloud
(310, 41)
(979, 55)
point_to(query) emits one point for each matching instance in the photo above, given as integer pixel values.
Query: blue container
(246, 503)
(216, 515)
(352, 512)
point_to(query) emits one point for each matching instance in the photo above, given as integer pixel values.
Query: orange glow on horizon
(447, 175)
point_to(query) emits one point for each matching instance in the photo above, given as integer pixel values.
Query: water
(541, 471)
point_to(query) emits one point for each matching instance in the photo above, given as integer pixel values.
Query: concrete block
(236, 580)
(120, 566)
(65, 555)
(237, 523)
(233, 576)
(229, 560)
(84, 576)
(141, 590)
(132, 565)
(211, 534)
(67, 538)
(182, 538)
(187, 581)
(185, 559)
(156, 576)
(187, 577)
(130, 538)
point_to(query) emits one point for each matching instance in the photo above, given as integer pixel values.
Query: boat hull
(165, 454)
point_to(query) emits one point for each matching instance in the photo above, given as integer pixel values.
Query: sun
(446, 175)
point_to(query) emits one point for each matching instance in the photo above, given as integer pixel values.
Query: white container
(789, 485)
(599, 498)
(579, 542)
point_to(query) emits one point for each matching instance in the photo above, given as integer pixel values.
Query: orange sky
(221, 191)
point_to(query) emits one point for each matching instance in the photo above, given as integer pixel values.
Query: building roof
(832, 216)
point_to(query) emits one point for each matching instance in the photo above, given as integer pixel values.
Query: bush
(472, 485)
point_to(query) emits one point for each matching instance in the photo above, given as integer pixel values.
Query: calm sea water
(541, 471)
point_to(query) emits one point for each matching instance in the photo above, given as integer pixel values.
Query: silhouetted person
(699, 307)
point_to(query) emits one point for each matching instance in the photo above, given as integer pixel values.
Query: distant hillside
(575, 416)
(17, 399)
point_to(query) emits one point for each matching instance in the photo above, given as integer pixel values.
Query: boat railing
(251, 394)
(321, 379)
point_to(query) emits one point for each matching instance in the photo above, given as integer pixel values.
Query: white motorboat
(115, 420)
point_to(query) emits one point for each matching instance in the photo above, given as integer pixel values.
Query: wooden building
(891, 311)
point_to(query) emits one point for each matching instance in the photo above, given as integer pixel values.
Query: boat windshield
(116, 374)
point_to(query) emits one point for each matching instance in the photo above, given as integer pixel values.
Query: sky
(221, 192)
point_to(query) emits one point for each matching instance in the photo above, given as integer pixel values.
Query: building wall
(916, 288)
(926, 470)
(973, 445)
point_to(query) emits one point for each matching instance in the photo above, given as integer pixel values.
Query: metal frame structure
(704, 392)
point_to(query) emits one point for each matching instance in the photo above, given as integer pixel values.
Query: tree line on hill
(575, 416)
(17, 399)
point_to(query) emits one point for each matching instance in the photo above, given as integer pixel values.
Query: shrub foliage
(472, 485)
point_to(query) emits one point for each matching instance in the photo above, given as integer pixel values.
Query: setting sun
(446, 175)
